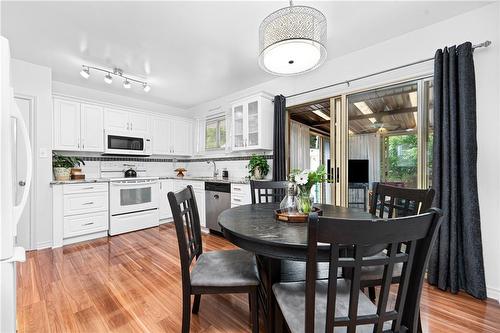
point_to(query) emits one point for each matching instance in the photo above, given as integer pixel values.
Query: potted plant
(258, 167)
(62, 165)
(305, 180)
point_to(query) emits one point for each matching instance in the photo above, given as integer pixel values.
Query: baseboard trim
(493, 293)
(43, 245)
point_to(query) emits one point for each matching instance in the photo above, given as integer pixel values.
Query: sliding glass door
(383, 135)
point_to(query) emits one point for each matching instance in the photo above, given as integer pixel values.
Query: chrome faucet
(216, 172)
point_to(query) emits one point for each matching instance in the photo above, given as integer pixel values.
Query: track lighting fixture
(108, 78)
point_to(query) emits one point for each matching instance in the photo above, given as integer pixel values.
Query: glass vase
(304, 202)
(289, 202)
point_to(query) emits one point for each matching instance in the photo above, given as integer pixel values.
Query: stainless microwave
(126, 143)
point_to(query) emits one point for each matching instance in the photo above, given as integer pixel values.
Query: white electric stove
(133, 201)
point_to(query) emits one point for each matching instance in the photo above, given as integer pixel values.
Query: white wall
(97, 95)
(475, 26)
(36, 82)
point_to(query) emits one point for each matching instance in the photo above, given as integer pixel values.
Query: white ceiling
(190, 52)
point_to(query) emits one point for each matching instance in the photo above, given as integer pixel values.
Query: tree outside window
(215, 134)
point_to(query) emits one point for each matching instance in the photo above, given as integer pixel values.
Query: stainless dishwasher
(217, 199)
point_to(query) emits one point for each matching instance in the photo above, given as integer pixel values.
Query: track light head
(85, 72)
(126, 84)
(108, 79)
(146, 87)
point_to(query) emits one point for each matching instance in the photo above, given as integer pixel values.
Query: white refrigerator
(10, 211)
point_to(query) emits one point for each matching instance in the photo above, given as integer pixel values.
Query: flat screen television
(358, 171)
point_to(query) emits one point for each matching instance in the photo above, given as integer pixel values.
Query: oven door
(126, 144)
(130, 196)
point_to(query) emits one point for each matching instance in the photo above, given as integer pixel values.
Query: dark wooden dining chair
(263, 191)
(215, 272)
(395, 201)
(322, 305)
(390, 201)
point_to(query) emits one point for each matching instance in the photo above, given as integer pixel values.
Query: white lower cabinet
(240, 195)
(199, 192)
(84, 224)
(166, 185)
(80, 212)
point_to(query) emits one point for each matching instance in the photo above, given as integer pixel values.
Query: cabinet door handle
(89, 223)
(88, 188)
(131, 125)
(88, 203)
(238, 200)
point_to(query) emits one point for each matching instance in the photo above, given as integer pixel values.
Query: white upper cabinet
(252, 123)
(91, 127)
(172, 136)
(77, 126)
(182, 137)
(139, 122)
(80, 126)
(162, 144)
(66, 125)
(126, 121)
(116, 120)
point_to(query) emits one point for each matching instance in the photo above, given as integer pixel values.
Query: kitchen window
(215, 133)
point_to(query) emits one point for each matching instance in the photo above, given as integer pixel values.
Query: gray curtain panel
(279, 163)
(456, 261)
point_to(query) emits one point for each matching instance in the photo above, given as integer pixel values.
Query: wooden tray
(295, 217)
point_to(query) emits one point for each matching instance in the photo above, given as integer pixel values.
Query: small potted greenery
(305, 180)
(258, 167)
(62, 165)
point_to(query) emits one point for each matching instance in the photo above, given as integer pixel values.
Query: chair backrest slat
(267, 191)
(416, 233)
(395, 201)
(187, 227)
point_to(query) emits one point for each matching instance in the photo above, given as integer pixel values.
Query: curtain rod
(348, 82)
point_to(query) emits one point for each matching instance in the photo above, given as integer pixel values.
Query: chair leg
(196, 304)
(372, 294)
(186, 312)
(254, 308)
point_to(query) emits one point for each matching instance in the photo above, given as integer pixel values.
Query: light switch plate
(44, 153)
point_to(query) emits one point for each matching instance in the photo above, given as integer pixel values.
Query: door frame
(342, 139)
(32, 134)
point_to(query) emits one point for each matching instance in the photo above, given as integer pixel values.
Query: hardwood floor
(131, 283)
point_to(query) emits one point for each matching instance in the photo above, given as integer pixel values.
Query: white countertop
(205, 179)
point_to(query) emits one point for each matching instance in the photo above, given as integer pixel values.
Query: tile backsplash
(236, 166)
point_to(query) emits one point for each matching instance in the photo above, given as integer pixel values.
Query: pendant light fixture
(292, 40)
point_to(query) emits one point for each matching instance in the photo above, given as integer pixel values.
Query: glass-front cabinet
(252, 123)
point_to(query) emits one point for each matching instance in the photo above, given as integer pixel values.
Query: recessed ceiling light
(85, 72)
(413, 98)
(146, 87)
(126, 84)
(321, 114)
(108, 79)
(365, 109)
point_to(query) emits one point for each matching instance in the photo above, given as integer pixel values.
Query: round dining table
(277, 245)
